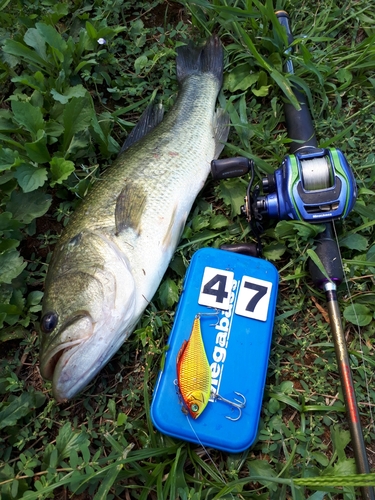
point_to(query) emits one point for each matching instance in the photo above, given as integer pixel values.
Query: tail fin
(207, 59)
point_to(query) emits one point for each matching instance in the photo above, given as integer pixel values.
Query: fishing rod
(315, 185)
(318, 176)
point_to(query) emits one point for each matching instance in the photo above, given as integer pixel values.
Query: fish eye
(194, 408)
(49, 322)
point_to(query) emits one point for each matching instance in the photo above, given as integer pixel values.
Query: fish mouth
(49, 368)
(75, 365)
(74, 331)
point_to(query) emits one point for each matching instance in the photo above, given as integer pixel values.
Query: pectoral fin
(129, 209)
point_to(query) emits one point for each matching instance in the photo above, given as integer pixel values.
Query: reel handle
(230, 167)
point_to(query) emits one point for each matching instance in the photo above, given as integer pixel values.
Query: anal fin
(221, 124)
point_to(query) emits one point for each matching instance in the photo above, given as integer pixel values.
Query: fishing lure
(194, 376)
(194, 372)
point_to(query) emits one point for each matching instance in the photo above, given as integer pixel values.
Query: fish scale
(125, 231)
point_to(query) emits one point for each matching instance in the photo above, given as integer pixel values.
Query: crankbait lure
(194, 372)
(194, 376)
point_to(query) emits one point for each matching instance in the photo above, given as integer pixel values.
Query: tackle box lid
(238, 293)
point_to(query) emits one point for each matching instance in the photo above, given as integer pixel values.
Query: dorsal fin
(151, 117)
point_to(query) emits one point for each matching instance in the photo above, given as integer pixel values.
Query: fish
(194, 372)
(116, 247)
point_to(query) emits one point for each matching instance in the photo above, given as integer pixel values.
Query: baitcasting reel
(313, 185)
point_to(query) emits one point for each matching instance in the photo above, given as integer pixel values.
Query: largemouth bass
(113, 253)
(194, 372)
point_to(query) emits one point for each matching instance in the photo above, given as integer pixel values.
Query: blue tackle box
(235, 297)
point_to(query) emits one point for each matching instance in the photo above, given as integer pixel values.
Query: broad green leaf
(28, 206)
(274, 251)
(362, 209)
(28, 116)
(53, 38)
(68, 439)
(9, 309)
(6, 123)
(218, 221)
(8, 244)
(13, 333)
(34, 298)
(8, 158)
(320, 458)
(7, 223)
(18, 49)
(91, 31)
(140, 63)
(354, 242)
(240, 78)
(232, 191)
(36, 81)
(262, 91)
(30, 177)
(178, 265)
(340, 438)
(358, 314)
(262, 469)
(19, 407)
(35, 40)
(60, 169)
(345, 467)
(246, 82)
(54, 129)
(168, 293)
(77, 91)
(200, 222)
(37, 150)
(285, 229)
(76, 117)
(11, 266)
(345, 77)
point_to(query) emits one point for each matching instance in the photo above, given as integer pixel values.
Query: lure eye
(49, 322)
(194, 408)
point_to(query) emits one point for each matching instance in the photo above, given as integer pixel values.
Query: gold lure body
(194, 372)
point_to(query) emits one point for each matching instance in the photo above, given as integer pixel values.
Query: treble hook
(236, 404)
(216, 313)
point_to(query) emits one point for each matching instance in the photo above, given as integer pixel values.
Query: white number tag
(253, 298)
(215, 288)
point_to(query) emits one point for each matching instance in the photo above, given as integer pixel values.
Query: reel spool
(315, 174)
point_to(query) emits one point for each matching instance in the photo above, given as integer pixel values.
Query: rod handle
(299, 123)
(329, 254)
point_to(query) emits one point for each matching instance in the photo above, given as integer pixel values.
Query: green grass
(102, 444)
